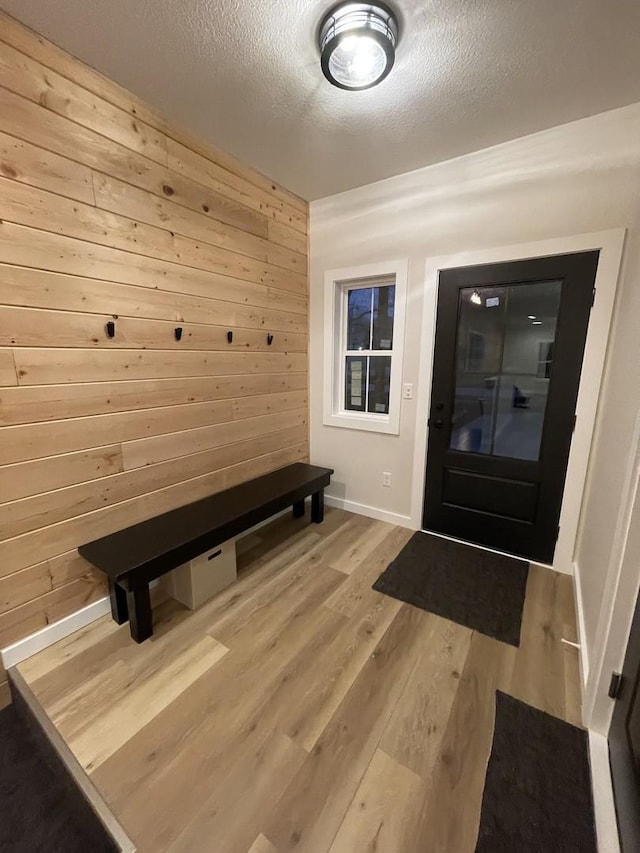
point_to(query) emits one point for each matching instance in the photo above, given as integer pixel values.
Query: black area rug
(40, 807)
(476, 588)
(537, 794)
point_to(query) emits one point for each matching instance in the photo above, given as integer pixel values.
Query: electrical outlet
(386, 478)
(407, 391)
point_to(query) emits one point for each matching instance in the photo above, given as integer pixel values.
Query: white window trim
(334, 411)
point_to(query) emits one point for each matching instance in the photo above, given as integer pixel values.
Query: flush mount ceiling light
(357, 44)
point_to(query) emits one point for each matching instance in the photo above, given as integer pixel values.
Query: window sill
(368, 423)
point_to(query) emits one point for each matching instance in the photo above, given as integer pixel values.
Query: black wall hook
(111, 329)
(178, 332)
(269, 339)
(229, 337)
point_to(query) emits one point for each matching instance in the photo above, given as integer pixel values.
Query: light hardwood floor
(300, 710)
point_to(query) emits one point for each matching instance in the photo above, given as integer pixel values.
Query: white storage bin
(203, 577)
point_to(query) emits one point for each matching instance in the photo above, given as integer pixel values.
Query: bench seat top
(160, 544)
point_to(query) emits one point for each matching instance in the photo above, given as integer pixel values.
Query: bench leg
(118, 596)
(140, 618)
(317, 507)
(298, 509)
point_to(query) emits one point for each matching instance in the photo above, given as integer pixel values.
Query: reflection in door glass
(504, 366)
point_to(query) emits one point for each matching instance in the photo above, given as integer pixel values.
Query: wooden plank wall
(108, 212)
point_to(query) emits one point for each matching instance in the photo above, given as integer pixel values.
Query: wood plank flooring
(300, 710)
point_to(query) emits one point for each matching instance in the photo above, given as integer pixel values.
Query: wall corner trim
(582, 633)
(603, 802)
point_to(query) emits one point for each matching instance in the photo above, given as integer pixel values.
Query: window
(475, 352)
(365, 323)
(545, 359)
(368, 339)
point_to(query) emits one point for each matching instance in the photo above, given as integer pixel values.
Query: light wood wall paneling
(42, 367)
(35, 547)
(149, 451)
(44, 250)
(24, 586)
(26, 287)
(50, 607)
(67, 567)
(259, 405)
(27, 120)
(288, 237)
(40, 440)
(132, 202)
(134, 224)
(54, 472)
(26, 77)
(35, 208)
(31, 404)
(34, 441)
(7, 369)
(45, 87)
(49, 55)
(193, 165)
(200, 199)
(34, 327)
(45, 474)
(40, 510)
(28, 164)
(24, 162)
(108, 211)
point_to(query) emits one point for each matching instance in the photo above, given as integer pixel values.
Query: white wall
(581, 177)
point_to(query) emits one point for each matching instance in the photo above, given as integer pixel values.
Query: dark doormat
(476, 588)
(40, 807)
(537, 793)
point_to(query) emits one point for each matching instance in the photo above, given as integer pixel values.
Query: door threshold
(486, 548)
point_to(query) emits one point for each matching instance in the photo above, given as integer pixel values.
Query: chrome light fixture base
(357, 44)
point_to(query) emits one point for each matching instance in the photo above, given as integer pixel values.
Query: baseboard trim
(71, 764)
(45, 637)
(582, 636)
(370, 511)
(603, 802)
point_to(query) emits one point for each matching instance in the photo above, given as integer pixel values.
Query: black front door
(624, 744)
(508, 352)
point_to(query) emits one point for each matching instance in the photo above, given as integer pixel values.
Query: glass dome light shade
(357, 44)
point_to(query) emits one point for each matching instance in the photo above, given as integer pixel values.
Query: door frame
(610, 244)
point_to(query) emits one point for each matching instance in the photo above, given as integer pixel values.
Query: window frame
(337, 284)
(547, 362)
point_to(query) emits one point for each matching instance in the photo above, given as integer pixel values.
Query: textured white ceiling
(245, 75)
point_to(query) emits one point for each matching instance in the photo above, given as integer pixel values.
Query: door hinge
(558, 533)
(614, 685)
(593, 297)
(573, 428)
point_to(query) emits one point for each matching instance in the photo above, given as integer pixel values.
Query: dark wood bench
(133, 557)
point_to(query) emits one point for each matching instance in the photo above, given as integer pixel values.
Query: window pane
(383, 305)
(379, 382)
(356, 383)
(504, 365)
(359, 319)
